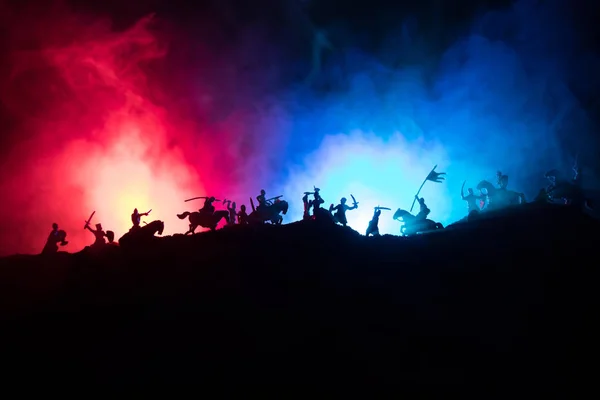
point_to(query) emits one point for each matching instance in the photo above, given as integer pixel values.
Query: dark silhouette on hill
(505, 301)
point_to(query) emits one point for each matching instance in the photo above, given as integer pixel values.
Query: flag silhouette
(436, 176)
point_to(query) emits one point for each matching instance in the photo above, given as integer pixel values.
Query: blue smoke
(497, 99)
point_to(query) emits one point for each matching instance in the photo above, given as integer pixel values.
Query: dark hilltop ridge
(504, 303)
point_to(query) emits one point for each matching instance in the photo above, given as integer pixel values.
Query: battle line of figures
(272, 210)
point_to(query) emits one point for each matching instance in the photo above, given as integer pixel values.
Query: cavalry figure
(414, 224)
(500, 197)
(206, 217)
(268, 210)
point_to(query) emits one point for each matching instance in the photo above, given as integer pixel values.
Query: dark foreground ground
(504, 305)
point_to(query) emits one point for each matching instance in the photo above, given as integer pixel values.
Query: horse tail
(184, 215)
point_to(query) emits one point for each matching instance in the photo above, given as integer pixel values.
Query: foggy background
(113, 106)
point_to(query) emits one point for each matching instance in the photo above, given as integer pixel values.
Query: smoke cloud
(107, 117)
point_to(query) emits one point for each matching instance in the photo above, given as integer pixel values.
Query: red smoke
(97, 128)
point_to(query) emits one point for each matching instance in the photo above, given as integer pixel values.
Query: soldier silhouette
(208, 208)
(99, 234)
(136, 218)
(307, 205)
(373, 228)
(242, 215)
(471, 199)
(317, 201)
(262, 201)
(340, 214)
(423, 209)
(502, 180)
(231, 207)
(54, 238)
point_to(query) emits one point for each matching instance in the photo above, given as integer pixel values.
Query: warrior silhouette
(232, 211)
(340, 215)
(54, 239)
(262, 200)
(307, 205)
(208, 208)
(502, 180)
(99, 234)
(242, 215)
(373, 228)
(471, 199)
(136, 218)
(423, 209)
(317, 201)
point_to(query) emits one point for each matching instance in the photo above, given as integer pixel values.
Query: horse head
(488, 186)
(161, 227)
(400, 213)
(283, 205)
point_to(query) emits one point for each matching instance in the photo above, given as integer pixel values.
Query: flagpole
(419, 191)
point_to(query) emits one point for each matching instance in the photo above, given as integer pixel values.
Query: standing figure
(471, 199)
(340, 214)
(307, 205)
(231, 207)
(373, 228)
(317, 201)
(242, 215)
(56, 237)
(502, 180)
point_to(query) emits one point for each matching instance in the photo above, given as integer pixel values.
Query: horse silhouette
(270, 213)
(203, 219)
(500, 198)
(413, 225)
(142, 234)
